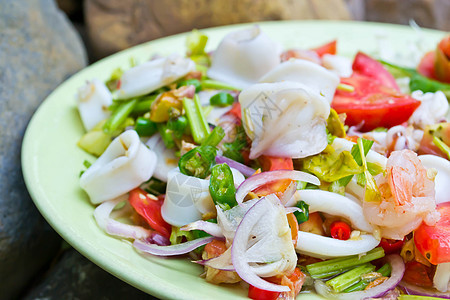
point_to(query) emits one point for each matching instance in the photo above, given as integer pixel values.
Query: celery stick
(199, 108)
(349, 278)
(144, 104)
(442, 146)
(385, 271)
(415, 297)
(217, 85)
(316, 270)
(119, 115)
(215, 137)
(197, 122)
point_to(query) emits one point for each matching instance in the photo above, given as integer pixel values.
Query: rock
(114, 25)
(38, 50)
(426, 13)
(75, 277)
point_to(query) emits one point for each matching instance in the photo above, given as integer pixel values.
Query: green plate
(51, 160)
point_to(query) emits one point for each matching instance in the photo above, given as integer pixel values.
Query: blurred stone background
(43, 42)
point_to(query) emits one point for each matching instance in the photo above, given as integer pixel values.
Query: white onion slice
(335, 205)
(267, 223)
(208, 227)
(102, 217)
(398, 269)
(320, 80)
(442, 179)
(171, 250)
(260, 179)
(93, 100)
(124, 165)
(152, 75)
(326, 247)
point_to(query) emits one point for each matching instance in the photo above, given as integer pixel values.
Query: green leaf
(330, 166)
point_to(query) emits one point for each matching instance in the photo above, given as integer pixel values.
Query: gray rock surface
(75, 277)
(38, 50)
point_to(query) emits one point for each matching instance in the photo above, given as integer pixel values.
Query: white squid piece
(189, 195)
(325, 247)
(333, 204)
(166, 159)
(186, 194)
(93, 100)
(124, 165)
(320, 80)
(340, 65)
(285, 119)
(433, 108)
(243, 56)
(442, 179)
(152, 75)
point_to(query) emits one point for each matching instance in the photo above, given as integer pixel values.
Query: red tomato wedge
(369, 67)
(442, 60)
(426, 65)
(329, 48)
(259, 294)
(272, 163)
(150, 210)
(372, 104)
(434, 241)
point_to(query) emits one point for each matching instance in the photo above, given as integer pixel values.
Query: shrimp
(407, 197)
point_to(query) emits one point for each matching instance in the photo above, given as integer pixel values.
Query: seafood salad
(284, 171)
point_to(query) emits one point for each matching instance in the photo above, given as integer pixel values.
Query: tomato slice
(328, 48)
(426, 65)
(418, 274)
(272, 163)
(434, 241)
(150, 210)
(372, 104)
(369, 67)
(235, 110)
(259, 294)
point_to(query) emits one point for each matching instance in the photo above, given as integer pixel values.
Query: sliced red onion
(260, 179)
(398, 269)
(208, 227)
(102, 216)
(171, 250)
(420, 291)
(240, 244)
(156, 238)
(246, 171)
(289, 193)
